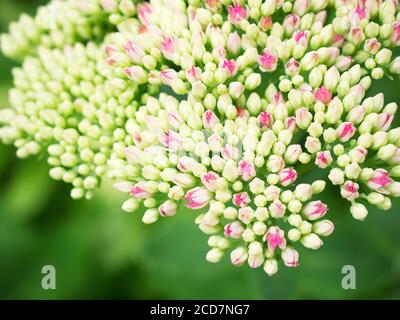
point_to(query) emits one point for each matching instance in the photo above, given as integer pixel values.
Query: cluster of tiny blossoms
(56, 25)
(221, 106)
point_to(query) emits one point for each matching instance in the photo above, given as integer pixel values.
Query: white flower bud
(214, 255)
(271, 266)
(323, 228)
(239, 256)
(150, 216)
(311, 241)
(358, 211)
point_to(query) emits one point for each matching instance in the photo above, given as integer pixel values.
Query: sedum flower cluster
(221, 106)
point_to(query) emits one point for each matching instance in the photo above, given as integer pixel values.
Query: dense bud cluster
(221, 106)
(56, 25)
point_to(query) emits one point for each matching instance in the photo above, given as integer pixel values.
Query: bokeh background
(99, 252)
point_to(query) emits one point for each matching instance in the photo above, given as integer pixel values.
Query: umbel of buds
(219, 106)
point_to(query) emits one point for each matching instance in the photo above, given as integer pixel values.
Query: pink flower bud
(236, 89)
(396, 33)
(239, 256)
(292, 67)
(215, 141)
(136, 74)
(290, 123)
(265, 23)
(292, 153)
(380, 180)
(332, 54)
(168, 208)
(168, 75)
(278, 99)
(315, 210)
(272, 193)
(291, 23)
(193, 74)
(186, 164)
(345, 131)
(265, 119)
(275, 163)
(301, 38)
(349, 190)
(209, 180)
(323, 94)
(267, 61)
(277, 209)
(290, 257)
(135, 51)
(361, 10)
(242, 113)
(233, 230)
(343, 63)
(303, 118)
(356, 115)
(139, 191)
(384, 121)
(229, 65)
(171, 140)
(237, 13)
(300, 7)
(234, 43)
(356, 35)
(372, 45)
(168, 47)
(275, 238)
(246, 170)
(321, 17)
(358, 154)
(287, 176)
(209, 119)
(144, 12)
(323, 159)
(230, 152)
(246, 215)
(175, 119)
(323, 228)
(241, 199)
(110, 52)
(337, 40)
(197, 198)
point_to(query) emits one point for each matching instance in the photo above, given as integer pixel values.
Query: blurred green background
(100, 252)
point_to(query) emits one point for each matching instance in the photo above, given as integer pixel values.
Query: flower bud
(150, 216)
(315, 210)
(168, 208)
(290, 257)
(233, 230)
(246, 215)
(358, 211)
(311, 241)
(239, 256)
(277, 209)
(197, 198)
(271, 265)
(214, 255)
(323, 228)
(323, 159)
